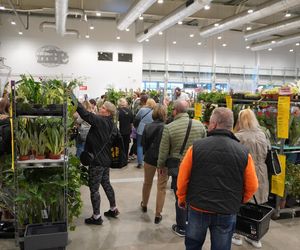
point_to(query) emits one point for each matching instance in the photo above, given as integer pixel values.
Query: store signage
(229, 102)
(190, 85)
(198, 110)
(283, 117)
(51, 56)
(82, 87)
(285, 90)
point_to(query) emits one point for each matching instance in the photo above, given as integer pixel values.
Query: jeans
(221, 228)
(180, 213)
(140, 154)
(79, 148)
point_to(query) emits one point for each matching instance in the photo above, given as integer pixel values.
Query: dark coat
(125, 120)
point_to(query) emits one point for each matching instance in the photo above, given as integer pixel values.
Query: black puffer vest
(217, 178)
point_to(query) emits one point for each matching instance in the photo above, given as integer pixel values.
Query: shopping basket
(253, 220)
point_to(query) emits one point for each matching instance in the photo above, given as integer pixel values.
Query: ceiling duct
(183, 11)
(61, 8)
(275, 28)
(276, 42)
(261, 11)
(133, 13)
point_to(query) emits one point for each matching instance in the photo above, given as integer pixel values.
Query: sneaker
(112, 213)
(237, 240)
(139, 166)
(144, 208)
(256, 244)
(178, 231)
(157, 219)
(93, 221)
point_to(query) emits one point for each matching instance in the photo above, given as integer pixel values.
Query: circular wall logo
(51, 56)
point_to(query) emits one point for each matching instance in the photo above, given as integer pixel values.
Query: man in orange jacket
(215, 176)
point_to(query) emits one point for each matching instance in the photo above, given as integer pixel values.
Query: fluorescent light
(219, 37)
(127, 29)
(118, 38)
(98, 14)
(270, 49)
(224, 44)
(248, 47)
(20, 33)
(174, 42)
(92, 27)
(160, 1)
(179, 22)
(291, 50)
(160, 33)
(2, 7)
(207, 7)
(250, 11)
(134, 12)
(13, 23)
(288, 14)
(183, 11)
(87, 36)
(297, 44)
(199, 43)
(192, 35)
(249, 28)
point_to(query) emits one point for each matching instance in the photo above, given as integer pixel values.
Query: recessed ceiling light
(216, 24)
(250, 11)
(141, 17)
(2, 7)
(207, 7)
(118, 38)
(20, 33)
(270, 49)
(174, 42)
(288, 14)
(273, 41)
(248, 47)
(291, 50)
(127, 29)
(224, 44)
(147, 40)
(160, 33)
(219, 37)
(160, 1)
(199, 43)
(246, 39)
(98, 14)
(249, 28)
(297, 44)
(87, 36)
(13, 23)
(92, 27)
(180, 22)
(192, 35)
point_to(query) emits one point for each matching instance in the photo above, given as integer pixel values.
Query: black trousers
(126, 141)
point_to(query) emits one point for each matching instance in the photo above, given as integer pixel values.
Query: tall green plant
(23, 142)
(55, 139)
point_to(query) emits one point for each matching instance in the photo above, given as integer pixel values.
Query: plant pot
(55, 109)
(40, 157)
(54, 157)
(24, 157)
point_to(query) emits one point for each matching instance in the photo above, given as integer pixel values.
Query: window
(123, 57)
(105, 56)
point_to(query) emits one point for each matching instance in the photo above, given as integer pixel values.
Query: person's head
(221, 118)
(166, 101)
(179, 107)
(143, 99)
(150, 103)
(86, 104)
(107, 109)
(177, 91)
(246, 120)
(93, 102)
(4, 105)
(122, 103)
(159, 113)
(135, 95)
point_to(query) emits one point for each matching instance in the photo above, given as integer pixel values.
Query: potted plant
(292, 184)
(24, 145)
(55, 141)
(39, 144)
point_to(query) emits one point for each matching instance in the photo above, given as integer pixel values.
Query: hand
(162, 171)
(182, 205)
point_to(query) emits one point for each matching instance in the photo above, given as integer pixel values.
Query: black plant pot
(55, 109)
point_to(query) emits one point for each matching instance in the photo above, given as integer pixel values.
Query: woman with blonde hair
(248, 131)
(145, 117)
(151, 141)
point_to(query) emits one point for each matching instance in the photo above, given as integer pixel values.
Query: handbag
(136, 121)
(273, 163)
(119, 159)
(173, 163)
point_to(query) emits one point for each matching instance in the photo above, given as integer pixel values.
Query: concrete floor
(134, 230)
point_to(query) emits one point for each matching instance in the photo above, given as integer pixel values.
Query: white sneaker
(237, 240)
(256, 244)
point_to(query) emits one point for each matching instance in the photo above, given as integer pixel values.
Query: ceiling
(114, 9)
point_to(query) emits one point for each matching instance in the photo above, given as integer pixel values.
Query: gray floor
(134, 230)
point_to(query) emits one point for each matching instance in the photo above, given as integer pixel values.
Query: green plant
(39, 141)
(113, 95)
(23, 142)
(294, 131)
(30, 90)
(292, 180)
(55, 139)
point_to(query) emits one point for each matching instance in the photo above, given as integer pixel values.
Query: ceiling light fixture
(219, 37)
(147, 40)
(160, 1)
(141, 17)
(270, 49)
(118, 38)
(224, 44)
(127, 29)
(180, 22)
(207, 7)
(273, 41)
(249, 28)
(216, 24)
(13, 22)
(87, 36)
(288, 14)
(248, 47)
(174, 42)
(250, 11)
(2, 7)
(98, 14)
(297, 44)
(291, 50)
(192, 35)
(199, 43)
(20, 33)
(92, 27)
(183, 11)
(133, 13)
(160, 33)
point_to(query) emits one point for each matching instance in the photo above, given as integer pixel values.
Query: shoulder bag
(273, 163)
(173, 163)
(136, 121)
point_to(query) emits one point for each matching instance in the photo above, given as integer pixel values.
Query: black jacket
(99, 140)
(5, 136)
(150, 141)
(217, 177)
(125, 120)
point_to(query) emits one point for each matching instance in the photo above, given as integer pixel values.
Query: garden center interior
(245, 47)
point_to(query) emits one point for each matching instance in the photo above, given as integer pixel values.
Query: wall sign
(51, 56)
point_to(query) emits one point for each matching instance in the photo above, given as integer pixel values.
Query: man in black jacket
(99, 140)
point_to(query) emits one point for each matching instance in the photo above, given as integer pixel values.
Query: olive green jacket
(173, 136)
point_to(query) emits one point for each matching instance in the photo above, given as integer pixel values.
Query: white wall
(20, 53)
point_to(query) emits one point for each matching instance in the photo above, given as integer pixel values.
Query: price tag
(283, 117)
(229, 102)
(198, 110)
